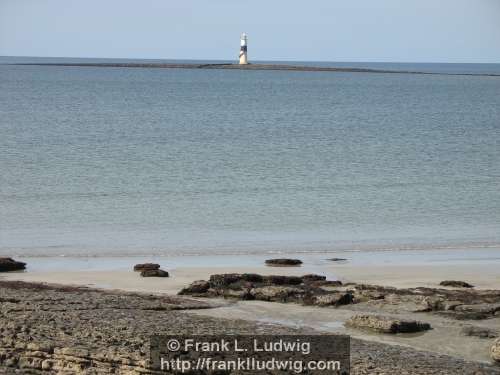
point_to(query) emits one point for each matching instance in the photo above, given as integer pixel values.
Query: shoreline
(483, 276)
(274, 67)
(370, 266)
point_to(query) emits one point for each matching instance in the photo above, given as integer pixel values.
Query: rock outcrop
(9, 264)
(146, 267)
(283, 262)
(312, 278)
(384, 324)
(456, 284)
(154, 273)
(273, 288)
(312, 289)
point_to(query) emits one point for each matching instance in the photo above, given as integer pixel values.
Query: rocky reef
(461, 304)
(50, 329)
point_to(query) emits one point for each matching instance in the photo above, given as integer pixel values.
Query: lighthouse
(243, 50)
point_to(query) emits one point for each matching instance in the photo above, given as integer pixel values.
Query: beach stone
(9, 264)
(283, 262)
(146, 267)
(312, 278)
(277, 293)
(495, 351)
(196, 287)
(332, 299)
(386, 324)
(456, 284)
(482, 332)
(154, 273)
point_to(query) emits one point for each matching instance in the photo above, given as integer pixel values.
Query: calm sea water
(116, 161)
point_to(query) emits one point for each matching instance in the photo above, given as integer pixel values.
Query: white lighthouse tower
(243, 50)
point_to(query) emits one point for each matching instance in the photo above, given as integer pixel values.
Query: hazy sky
(320, 30)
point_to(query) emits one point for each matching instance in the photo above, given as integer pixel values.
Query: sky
(293, 30)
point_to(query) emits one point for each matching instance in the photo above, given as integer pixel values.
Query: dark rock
(456, 284)
(196, 287)
(9, 264)
(283, 262)
(146, 267)
(252, 277)
(337, 260)
(154, 273)
(386, 324)
(482, 332)
(312, 278)
(282, 280)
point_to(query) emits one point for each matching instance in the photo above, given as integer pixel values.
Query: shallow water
(117, 162)
(312, 262)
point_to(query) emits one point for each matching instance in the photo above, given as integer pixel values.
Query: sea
(115, 162)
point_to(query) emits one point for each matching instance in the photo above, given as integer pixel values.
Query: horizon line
(257, 60)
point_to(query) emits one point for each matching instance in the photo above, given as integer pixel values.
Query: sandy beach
(445, 338)
(482, 274)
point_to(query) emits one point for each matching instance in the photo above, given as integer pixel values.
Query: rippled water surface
(117, 161)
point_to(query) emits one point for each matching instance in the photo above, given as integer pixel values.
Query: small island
(249, 66)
